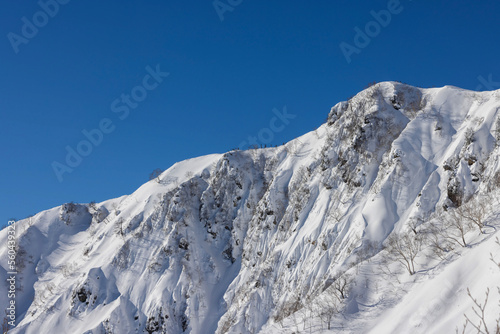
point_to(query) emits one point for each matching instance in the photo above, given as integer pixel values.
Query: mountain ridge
(243, 242)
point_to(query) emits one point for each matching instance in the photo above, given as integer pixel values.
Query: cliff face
(248, 241)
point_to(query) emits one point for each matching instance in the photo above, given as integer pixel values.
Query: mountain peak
(255, 241)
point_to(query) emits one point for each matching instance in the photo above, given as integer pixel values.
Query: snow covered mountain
(376, 222)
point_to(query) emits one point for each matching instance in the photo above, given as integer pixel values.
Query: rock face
(244, 242)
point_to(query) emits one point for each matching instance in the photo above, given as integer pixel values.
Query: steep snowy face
(234, 243)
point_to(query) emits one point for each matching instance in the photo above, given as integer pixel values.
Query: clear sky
(101, 67)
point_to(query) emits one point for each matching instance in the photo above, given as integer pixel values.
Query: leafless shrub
(68, 269)
(455, 191)
(440, 246)
(87, 250)
(293, 147)
(342, 285)
(491, 255)
(367, 250)
(450, 227)
(119, 227)
(289, 307)
(474, 212)
(497, 131)
(65, 212)
(496, 180)
(326, 306)
(479, 323)
(99, 213)
(155, 175)
(155, 322)
(122, 258)
(21, 256)
(404, 248)
(329, 303)
(228, 321)
(469, 136)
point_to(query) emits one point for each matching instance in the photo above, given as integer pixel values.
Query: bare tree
(474, 212)
(451, 227)
(119, 229)
(155, 175)
(327, 305)
(288, 308)
(479, 312)
(440, 246)
(404, 248)
(306, 313)
(491, 255)
(479, 308)
(342, 284)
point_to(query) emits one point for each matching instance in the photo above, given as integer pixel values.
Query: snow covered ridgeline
(289, 239)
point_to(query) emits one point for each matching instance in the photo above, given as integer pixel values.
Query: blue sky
(225, 78)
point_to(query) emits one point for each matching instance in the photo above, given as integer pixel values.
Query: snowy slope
(254, 241)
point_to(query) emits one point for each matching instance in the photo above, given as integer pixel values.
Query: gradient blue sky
(225, 79)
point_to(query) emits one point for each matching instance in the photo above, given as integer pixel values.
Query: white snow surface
(226, 242)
